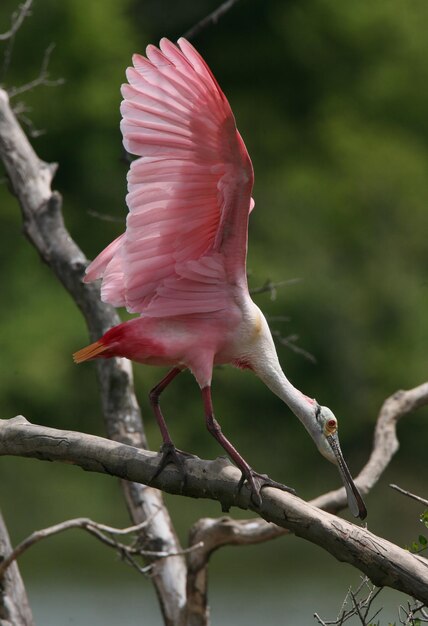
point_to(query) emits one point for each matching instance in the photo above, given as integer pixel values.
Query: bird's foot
(170, 454)
(257, 482)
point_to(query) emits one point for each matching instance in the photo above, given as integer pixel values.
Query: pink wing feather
(189, 193)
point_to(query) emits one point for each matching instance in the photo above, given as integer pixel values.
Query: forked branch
(17, 18)
(42, 79)
(106, 534)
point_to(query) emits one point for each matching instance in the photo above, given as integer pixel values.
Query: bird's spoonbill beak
(355, 501)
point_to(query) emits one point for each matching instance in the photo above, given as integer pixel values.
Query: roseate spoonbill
(181, 262)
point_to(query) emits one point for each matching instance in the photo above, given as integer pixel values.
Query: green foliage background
(331, 99)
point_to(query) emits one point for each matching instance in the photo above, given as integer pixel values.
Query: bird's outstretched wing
(189, 193)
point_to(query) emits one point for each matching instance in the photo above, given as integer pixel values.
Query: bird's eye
(330, 426)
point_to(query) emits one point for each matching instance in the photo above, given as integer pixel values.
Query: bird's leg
(255, 480)
(154, 396)
(169, 452)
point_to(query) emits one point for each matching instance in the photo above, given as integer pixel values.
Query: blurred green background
(331, 99)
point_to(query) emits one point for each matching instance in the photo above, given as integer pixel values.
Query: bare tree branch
(106, 534)
(96, 530)
(290, 343)
(16, 22)
(14, 607)
(214, 533)
(41, 79)
(271, 287)
(410, 495)
(105, 217)
(17, 18)
(383, 562)
(408, 616)
(30, 179)
(210, 19)
(361, 602)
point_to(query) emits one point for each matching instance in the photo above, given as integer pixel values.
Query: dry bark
(14, 607)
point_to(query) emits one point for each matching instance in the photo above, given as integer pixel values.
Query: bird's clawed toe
(170, 454)
(256, 482)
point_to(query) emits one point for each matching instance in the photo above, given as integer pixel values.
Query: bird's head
(324, 433)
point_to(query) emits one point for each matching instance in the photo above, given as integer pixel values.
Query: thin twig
(410, 614)
(17, 18)
(38, 535)
(357, 608)
(342, 612)
(360, 608)
(210, 19)
(9, 36)
(278, 318)
(375, 594)
(100, 532)
(290, 342)
(105, 216)
(42, 78)
(409, 494)
(123, 531)
(271, 287)
(32, 131)
(320, 621)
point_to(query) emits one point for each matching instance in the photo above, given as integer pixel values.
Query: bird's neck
(265, 364)
(270, 372)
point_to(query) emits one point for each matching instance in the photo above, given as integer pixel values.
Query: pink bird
(181, 263)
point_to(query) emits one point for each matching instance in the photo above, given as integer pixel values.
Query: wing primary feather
(189, 192)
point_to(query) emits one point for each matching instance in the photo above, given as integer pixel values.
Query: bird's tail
(93, 351)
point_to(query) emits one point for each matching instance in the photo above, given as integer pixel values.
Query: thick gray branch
(14, 607)
(385, 563)
(30, 180)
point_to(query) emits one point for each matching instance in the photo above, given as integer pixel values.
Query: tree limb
(210, 19)
(41, 79)
(106, 534)
(383, 562)
(17, 18)
(30, 179)
(14, 607)
(413, 496)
